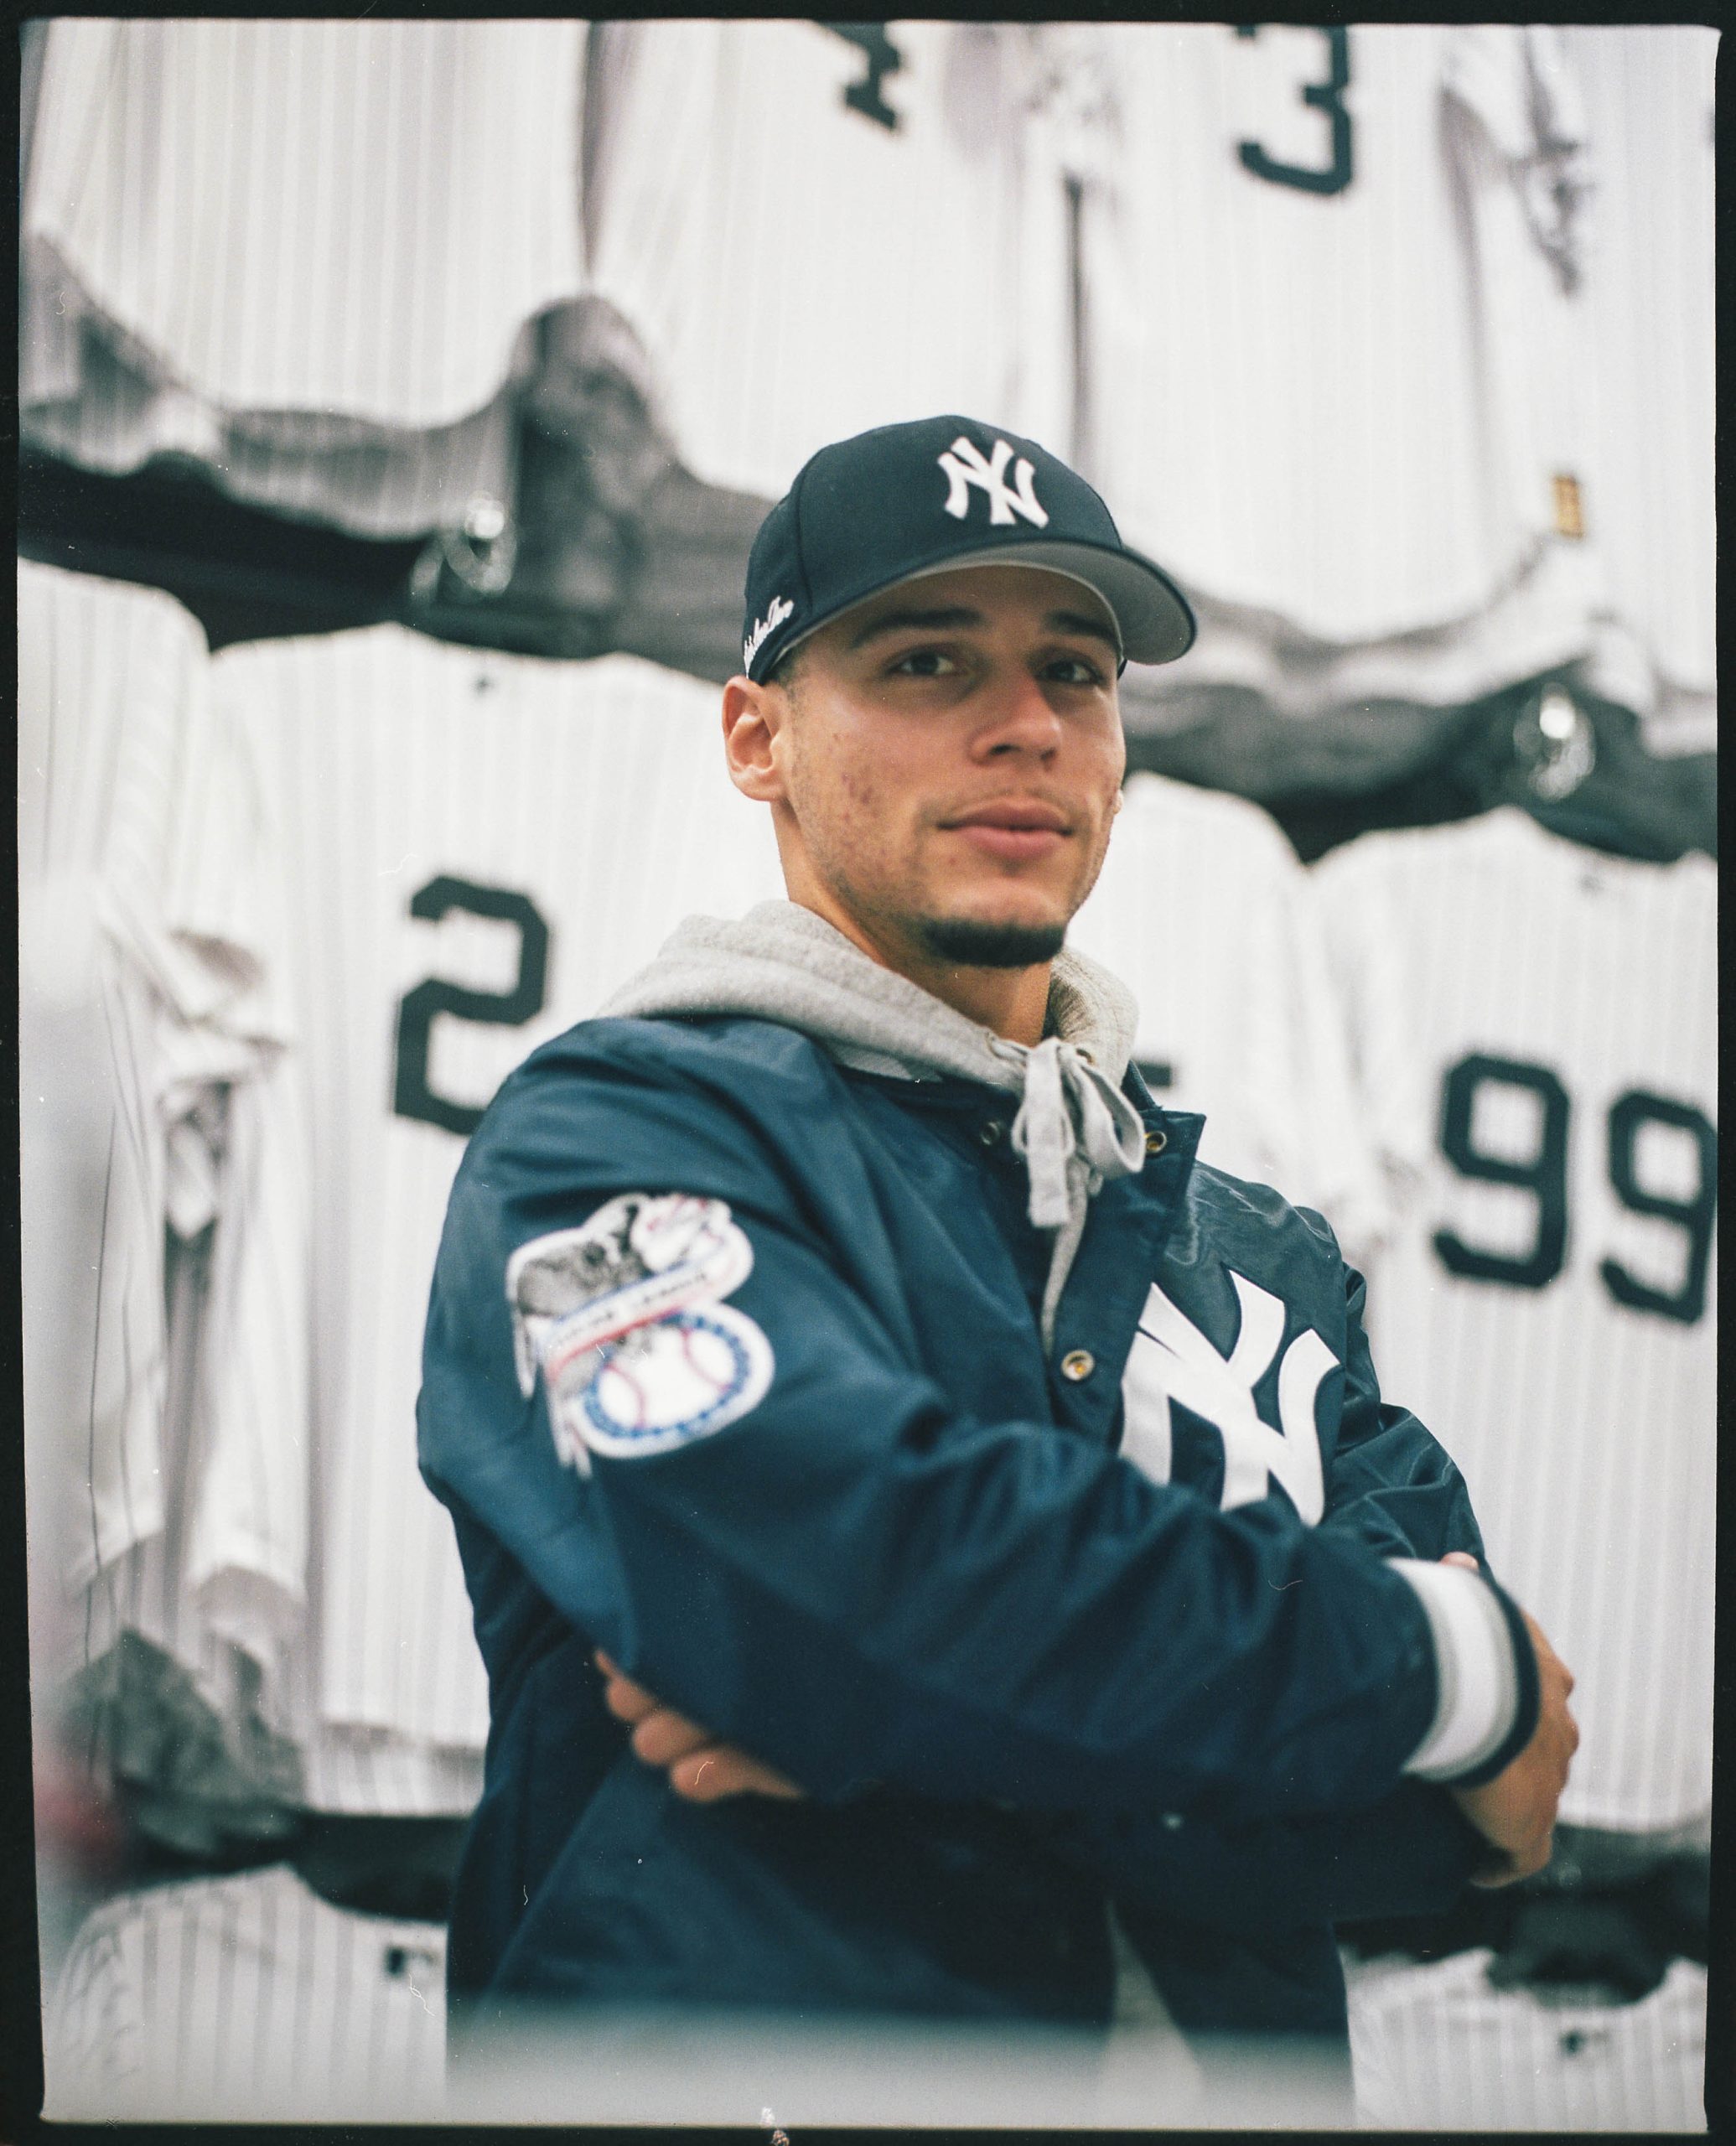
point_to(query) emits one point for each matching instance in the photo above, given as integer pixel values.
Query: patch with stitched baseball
(624, 1318)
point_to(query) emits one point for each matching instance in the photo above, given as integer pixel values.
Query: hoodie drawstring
(1073, 1130)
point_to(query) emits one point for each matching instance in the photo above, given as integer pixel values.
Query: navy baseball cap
(904, 500)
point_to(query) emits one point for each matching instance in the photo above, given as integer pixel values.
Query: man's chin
(972, 942)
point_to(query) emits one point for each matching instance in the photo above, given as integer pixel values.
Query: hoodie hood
(782, 962)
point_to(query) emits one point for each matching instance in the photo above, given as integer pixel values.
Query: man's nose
(1019, 717)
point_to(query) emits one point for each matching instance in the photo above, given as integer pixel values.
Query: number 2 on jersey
(412, 1095)
(1544, 1176)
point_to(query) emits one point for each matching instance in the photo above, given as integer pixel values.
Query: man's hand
(699, 1768)
(1516, 1812)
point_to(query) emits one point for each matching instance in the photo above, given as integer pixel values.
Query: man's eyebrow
(892, 622)
(961, 614)
(1082, 622)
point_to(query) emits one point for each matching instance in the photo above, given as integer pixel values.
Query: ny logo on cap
(965, 465)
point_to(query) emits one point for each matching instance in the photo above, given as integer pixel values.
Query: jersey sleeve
(94, 2028)
(845, 1575)
(1352, 895)
(126, 1028)
(1342, 1176)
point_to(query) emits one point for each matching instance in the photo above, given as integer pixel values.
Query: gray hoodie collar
(782, 962)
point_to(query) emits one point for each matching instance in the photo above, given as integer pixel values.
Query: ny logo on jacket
(1172, 1364)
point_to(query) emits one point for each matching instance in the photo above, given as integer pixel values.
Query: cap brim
(1152, 615)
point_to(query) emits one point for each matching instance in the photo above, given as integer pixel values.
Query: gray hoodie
(782, 962)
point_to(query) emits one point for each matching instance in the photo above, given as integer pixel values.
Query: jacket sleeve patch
(623, 1317)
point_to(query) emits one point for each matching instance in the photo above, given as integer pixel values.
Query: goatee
(991, 945)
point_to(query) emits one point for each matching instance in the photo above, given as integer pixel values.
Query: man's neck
(1013, 1002)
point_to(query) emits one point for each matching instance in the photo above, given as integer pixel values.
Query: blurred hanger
(1579, 766)
(609, 543)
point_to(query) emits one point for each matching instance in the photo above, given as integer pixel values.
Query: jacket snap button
(989, 1133)
(1156, 1142)
(1078, 1364)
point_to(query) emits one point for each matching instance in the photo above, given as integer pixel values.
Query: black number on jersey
(1693, 1217)
(411, 1095)
(883, 58)
(1545, 1177)
(1327, 98)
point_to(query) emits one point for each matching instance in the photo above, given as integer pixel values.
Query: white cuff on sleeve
(1478, 1680)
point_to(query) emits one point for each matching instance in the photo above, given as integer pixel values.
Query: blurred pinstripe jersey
(1302, 266)
(303, 253)
(133, 914)
(247, 1996)
(1203, 911)
(342, 215)
(1648, 90)
(817, 229)
(1534, 1027)
(1436, 2047)
(470, 851)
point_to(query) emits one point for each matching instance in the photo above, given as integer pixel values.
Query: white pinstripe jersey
(1534, 1026)
(132, 960)
(819, 230)
(1649, 95)
(1203, 910)
(472, 850)
(1314, 293)
(344, 215)
(220, 1587)
(247, 1998)
(1435, 2047)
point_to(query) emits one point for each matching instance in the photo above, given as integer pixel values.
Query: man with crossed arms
(837, 1342)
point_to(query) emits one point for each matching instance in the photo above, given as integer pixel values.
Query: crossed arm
(1376, 1472)
(1515, 1812)
(886, 1648)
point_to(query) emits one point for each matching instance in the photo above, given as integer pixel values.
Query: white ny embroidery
(1172, 1361)
(965, 465)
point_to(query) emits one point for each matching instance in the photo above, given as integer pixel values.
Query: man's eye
(1075, 671)
(922, 663)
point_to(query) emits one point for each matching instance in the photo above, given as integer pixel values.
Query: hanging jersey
(1439, 2047)
(1312, 400)
(191, 1637)
(129, 993)
(820, 228)
(471, 849)
(1534, 1026)
(348, 216)
(1648, 93)
(1203, 911)
(235, 1998)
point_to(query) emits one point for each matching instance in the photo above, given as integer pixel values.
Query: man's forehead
(962, 597)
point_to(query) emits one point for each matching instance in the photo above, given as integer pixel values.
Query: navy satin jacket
(734, 1369)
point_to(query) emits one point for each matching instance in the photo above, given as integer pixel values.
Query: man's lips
(1014, 830)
